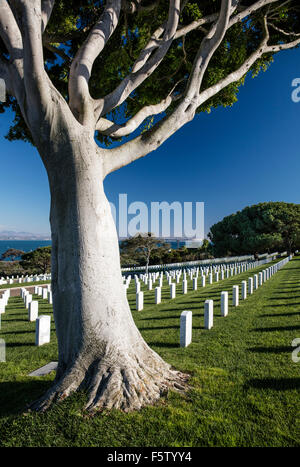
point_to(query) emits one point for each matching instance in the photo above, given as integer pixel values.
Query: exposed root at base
(125, 388)
(121, 388)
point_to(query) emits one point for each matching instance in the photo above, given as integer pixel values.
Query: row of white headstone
(43, 322)
(218, 272)
(24, 279)
(253, 284)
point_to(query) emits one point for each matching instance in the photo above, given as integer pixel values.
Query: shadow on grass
(279, 384)
(275, 315)
(281, 349)
(20, 395)
(16, 332)
(168, 345)
(283, 328)
(20, 344)
(282, 304)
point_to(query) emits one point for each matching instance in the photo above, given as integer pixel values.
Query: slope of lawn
(244, 384)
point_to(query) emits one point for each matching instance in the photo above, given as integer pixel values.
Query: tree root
(125, 387)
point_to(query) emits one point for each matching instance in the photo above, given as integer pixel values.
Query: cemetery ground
(244, 386)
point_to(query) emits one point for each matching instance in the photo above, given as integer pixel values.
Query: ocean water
(30, 245)
(24, 245)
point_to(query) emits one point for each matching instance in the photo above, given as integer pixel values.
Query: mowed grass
(244, 384)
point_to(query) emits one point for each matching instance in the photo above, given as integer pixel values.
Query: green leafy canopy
(72, 20)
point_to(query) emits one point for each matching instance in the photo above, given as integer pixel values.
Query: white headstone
(139, 301)
(157, 295)
(49, 297)
(2, 351)
(42, 330)
(2, 305)
(244, 290)
(185, 328)
(224, 303)
(250, 285)
(235, 295)
(208, 314)
(33, 310)
(28, 299)
(172, 290)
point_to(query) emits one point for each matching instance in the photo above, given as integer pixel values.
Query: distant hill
(11, 235)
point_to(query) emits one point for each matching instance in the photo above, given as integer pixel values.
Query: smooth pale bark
(100, 348)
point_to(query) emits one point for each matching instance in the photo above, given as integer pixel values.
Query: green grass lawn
(244, 385)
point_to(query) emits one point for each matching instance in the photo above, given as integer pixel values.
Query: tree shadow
(282, 304)
(19, 344)
(16, 332)
(280, 349)
(20, 395)
(283, 328)
(296, 313)
(168, 345)
(279, 384)
(152, 328)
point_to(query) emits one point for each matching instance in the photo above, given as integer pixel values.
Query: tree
(257, 229)
(137, 69)
(141, 247)
(12, 254)
(38, 260)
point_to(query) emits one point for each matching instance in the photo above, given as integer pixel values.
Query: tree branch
(148, 142)
(47, 7)
(11, 36)
(208, 46)
(80, 73)
(5, 75)
(9, 32)
(213, 17)
(56, 51)
(285, 46)
(36, 80)
(106, 127)
(135, 6)
(285, 33)
(134, 79)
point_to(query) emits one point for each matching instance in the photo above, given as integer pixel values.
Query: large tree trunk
(100, 349)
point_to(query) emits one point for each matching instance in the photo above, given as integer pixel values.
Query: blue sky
(228, 159)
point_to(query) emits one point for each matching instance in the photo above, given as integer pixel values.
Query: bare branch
(5, 75)
(285, 33)
(278, 47)
(114, 130)
(136, 6)
(207, 48)
(80, 100)
(47, 7)
(213, 17)
(153, 43)
(133, 80)
(145, 143)
(35, 77)
(56, 51)
(9, 32)
(11, 36)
